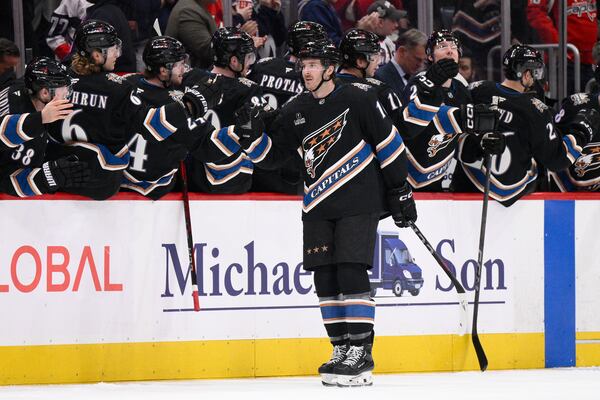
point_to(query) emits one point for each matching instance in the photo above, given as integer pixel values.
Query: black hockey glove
(584, 125)
(442, 70)
(200, 98)
(402, 205)
(64, 173)
(249, 124)
(493, 143)
(478, 118)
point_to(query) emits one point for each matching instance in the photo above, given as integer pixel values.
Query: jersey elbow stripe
(260, 148)
(157, 124)
(146, 187)
(219, 174)
(445, 122)
(389, 149)
(413, 120)
(22, 181)
(106, 159)
(499, 191)
(572, 149)
(225, 140)
(11, 130)
(420, 114)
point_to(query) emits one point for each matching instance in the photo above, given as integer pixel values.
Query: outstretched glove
(478, 118)
(249, 124)
(442, 70)
(64, 173)
(493, 143)
(584, 125)
(402, 205)
(201, 97)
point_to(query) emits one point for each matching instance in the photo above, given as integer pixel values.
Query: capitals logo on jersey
(438, 142)
(317, 144)
(589, 160)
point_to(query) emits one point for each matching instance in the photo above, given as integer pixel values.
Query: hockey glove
(493, 143)
(199, 99)
(478, 118)
(249, 124)
(402, 205)
(584, 126)
(64, 173)
(442, 70)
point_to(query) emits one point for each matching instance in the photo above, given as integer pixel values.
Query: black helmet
(228, 42)
(358, 43)
(44, 72)
(323, 49)
(520, 58)
(94, 34)
(303, 32)
(443, 35)
(163, 51)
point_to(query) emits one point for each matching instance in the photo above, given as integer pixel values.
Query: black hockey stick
(481, 357)
(190, 239)
(457, 285)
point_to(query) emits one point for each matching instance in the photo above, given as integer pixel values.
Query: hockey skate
(328, 378)
(356, 369)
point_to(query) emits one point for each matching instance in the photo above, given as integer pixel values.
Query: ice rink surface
(567, 383)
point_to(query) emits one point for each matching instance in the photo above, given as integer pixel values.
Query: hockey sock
(331, 303)
(359, 307)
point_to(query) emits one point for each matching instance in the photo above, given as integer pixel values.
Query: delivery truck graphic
(393, 267)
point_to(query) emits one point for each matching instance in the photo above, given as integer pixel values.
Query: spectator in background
(9, 58)
(322, 12)
(582, 31)
(110, 11)
(269, 29)
(193, 25)
(142, 15)
(163, 16)
(466, 66)
(383, 19)
(409, 59)
(64, 21)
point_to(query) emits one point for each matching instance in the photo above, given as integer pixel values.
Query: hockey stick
(190, 239)
(457, 285)
(481, 357)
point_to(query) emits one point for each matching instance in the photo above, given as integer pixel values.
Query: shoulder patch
(115, 78)
(264, 60)
(538, 104)
(580, 98)
(362, 86)
(176, 95)
(473, 85)
(246, 82)
(374, 81)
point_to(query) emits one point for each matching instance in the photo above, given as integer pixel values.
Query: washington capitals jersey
(278, 80)
(431, 129)
(234, 173)
(531, 138)
(108, 112)
(575, 103)
(23, 142)
(352, 152)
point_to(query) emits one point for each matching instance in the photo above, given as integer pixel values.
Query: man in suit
(409, 59)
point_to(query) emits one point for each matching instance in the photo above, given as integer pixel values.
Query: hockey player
(354, 173)
(25, 109)
(432, 113)
(108, 112)
(153, 164)
(233, 55)
(527, 134)
(360, 51)
(279, 81)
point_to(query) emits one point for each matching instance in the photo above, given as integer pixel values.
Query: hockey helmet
(520, 58)
(322, 49)
(44, 72)
(228, 42)
(303, 32)
(358, 43)
(163, 51)
(443, 35)
(95, 35)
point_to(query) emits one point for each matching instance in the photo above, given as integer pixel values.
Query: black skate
(328, 378)
(356, 369)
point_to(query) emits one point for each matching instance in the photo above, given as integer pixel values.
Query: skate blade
(364, 379)
(329, 379)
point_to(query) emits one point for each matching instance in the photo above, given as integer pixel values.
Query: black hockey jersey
(153, 164)
(531, 138)
(278, 80)
(233, 174)
(352, 152)
(23, 142)
(431, 129)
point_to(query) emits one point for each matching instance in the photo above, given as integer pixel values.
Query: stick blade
(481, 357)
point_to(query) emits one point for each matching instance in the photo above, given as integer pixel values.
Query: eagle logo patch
(589, 159)
(317, 144)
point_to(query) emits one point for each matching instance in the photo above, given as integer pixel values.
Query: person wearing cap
(383, 19)
(322, 12)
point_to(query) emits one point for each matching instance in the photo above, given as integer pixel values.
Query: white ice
(547, 384)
